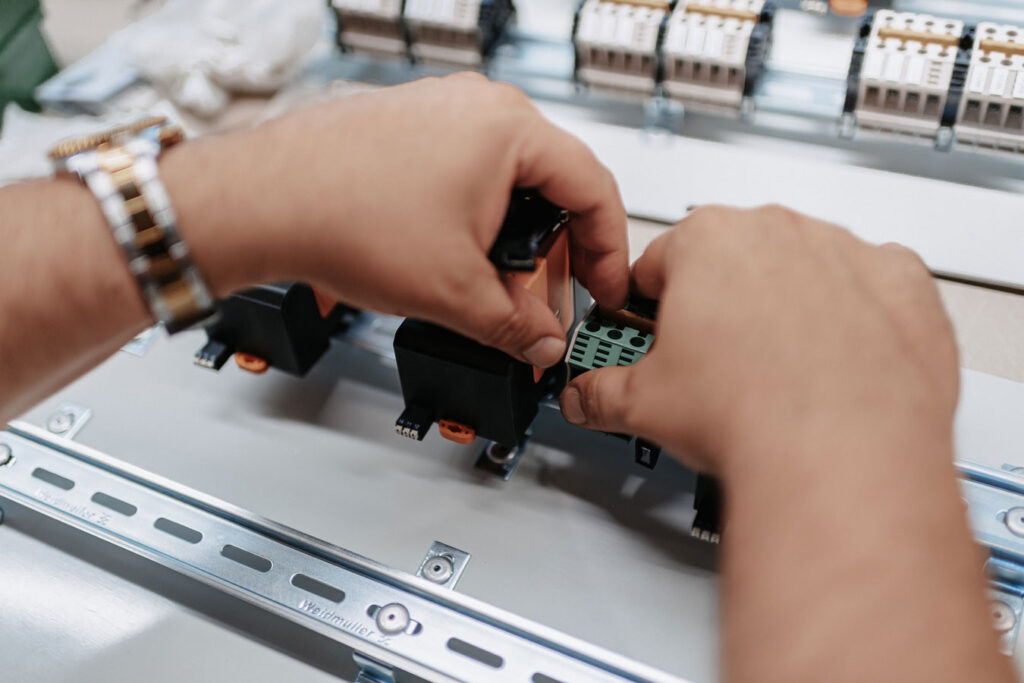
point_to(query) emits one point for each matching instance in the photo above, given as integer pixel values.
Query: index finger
(568, 173)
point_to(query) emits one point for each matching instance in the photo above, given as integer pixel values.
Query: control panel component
(907, 74)
(714, 51)
(991, 115)
(613, 338)
(608, 338)
(617, 43)
(373, 26)
(287, 326)
(457, 32)
(473, 390)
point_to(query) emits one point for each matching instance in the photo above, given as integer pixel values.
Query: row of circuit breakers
(917, 76)
(471, 392)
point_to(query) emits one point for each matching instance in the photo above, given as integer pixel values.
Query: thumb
(507, 316)
(601, 400)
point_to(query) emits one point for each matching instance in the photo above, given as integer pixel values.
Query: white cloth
(201, 51)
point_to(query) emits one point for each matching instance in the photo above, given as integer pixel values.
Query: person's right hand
(772, 324)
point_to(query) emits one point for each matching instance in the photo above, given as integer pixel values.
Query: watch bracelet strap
(126, 182)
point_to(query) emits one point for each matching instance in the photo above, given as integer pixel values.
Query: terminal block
(715, 50)
(907, 74)
(472, 390)
(991, 115)
(458, 32)
(372, 26)
(617, 43)
(621, 338)
(286, 326)
(611, 338)
(616, 338)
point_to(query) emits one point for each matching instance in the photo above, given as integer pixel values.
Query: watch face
(75, 145)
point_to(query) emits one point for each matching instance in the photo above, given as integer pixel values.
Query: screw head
(1015, 521)
(60, 423)
(501, 455)
(393, 618)
(6, 455)
(438, 569)
(1003, 617)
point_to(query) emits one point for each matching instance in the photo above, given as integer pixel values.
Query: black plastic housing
(279, 323)
(447, 376)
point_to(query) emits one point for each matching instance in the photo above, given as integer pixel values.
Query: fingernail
(572, 406)
(545, 352)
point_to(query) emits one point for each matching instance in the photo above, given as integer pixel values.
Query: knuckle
(779, 214)
(459, 284)
(508, 95)
(907, 258)
(469, 76)
(509, 328)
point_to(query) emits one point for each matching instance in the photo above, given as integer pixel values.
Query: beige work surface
(989, 323)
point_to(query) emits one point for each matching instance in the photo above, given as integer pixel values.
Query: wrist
(844, 449)
(218, 217)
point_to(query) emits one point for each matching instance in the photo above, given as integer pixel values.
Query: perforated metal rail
(393, 618)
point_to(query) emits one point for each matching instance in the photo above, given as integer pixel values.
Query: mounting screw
(439, 569)
(1015, 521)
(60, 422)
(502, 455)
(6, 456)
(393, 618)
(1003, 617)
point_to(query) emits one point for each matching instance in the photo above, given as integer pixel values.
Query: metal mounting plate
(323, 588)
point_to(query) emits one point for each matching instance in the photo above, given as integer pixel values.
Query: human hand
(391, 200)
(774, 325)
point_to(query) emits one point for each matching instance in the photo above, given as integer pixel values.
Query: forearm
(67, 298)
(848, 558)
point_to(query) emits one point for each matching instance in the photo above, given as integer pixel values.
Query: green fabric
(25, 59)
(13, 15)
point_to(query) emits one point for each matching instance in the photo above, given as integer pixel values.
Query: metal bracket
(1007, 607)
(372, 671)
(443, 565)
(499, 460)
(68, 419)
(995, 503)
(140, 344)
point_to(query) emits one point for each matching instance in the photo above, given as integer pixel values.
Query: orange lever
(459, 433)
(250, 363)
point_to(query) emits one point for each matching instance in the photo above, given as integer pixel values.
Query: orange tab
(849, 8)
(250, 363)
(324, 303)
(459, 433)
(551, 281)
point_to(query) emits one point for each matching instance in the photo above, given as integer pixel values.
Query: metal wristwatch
(120, 168)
